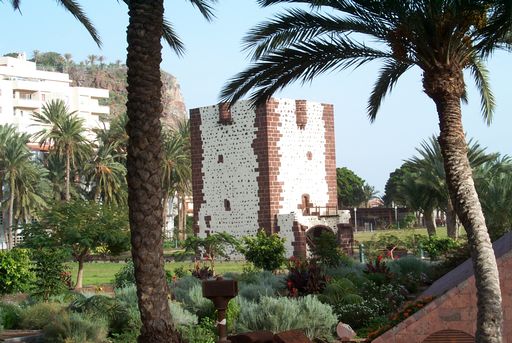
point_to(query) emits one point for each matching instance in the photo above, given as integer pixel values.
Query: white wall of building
(234, 179)
(24, 90)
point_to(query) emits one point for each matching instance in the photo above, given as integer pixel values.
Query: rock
(344, 331)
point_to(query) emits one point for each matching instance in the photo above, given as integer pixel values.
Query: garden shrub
(264, 251)
(339, 291)
(127, 295)
(411, 272)
(125, 276)
(37, 316)
(281, 314)
(9, 315)
(436, 247)
(198, 304)
(326, 250)
(76, 328)
(51, 273)
(15, 274)
(180, 288)
(305, 277)
(205, 332)
(255, 284)
(358, 314)
(180, 316)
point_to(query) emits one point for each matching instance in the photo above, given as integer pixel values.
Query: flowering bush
(305, 277)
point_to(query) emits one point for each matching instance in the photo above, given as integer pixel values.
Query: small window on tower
(220, 159)
(227, 205)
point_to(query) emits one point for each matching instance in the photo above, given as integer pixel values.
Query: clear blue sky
(214, 54)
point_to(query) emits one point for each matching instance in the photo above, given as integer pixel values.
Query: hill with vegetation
(95, 72)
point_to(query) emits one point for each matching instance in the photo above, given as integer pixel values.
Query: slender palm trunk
(430, 222)
(68, 172)
(144, 108)
(2, 211)
(165, 204)
(11, 212)
(451, 221)
(446, 87)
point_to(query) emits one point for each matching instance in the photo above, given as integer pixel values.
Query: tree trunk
(80, 274)
(184, 216)
(165, 203)
(68, 172)
(2, 210)
(10, 245)
(144, 108)
(451, 221)
(430, 222)
(446, 86)
(181, 229)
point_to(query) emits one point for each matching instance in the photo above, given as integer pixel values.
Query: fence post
(362, 258)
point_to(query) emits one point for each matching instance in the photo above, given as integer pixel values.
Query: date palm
(6, 134)
(63, 133)
(17, 159)
(440, 37)
(106, 177)
(428, 166)
(144, 163)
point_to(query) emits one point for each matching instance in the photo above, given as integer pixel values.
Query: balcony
(321, 211)
(98, 109)
(26, 102)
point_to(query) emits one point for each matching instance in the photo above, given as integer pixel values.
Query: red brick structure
(451, 316)
(272, 167)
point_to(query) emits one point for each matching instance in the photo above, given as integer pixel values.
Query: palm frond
(298, 25)
(481, 76)
(302, 62)
(172, 39)
(205, 7)
(76, 10)
(387, 79)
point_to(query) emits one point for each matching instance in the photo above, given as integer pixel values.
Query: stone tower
(272, 167)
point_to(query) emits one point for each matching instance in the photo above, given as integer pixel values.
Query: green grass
(402, 234)
(100, 273)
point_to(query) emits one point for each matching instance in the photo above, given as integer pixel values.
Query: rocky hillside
(113, 78)
(94, 72)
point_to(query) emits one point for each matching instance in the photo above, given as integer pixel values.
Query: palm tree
(17, 157)
(442, 38)
(106, 177)
(430, 170)
(144, 108)
(6, 134)
(63, 134)
(177, 169)
(76, 10)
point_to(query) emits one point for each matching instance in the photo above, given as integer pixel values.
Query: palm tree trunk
(68, 171)
(451, 221)
(181, 230)
(10, 245)
(184, 216)
(446, 87)
(165, 204)
(144, 108)
(2, 210)
(429, 222)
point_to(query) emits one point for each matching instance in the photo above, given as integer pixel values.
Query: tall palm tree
(144, 108)
(177, 168)
(17, 157)
(442, 38)
(106, 176)
(63, 133)
(430, 170)
(6, 134)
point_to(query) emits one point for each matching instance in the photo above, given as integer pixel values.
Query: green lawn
(99, 273)
(368, 236)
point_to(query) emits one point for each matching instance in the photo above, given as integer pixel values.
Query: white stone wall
(298, 174)
(236, 178)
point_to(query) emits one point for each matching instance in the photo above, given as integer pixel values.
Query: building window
(227, 205)
(220, 159)
(309, 155)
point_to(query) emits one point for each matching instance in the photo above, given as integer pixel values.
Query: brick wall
(454, 310)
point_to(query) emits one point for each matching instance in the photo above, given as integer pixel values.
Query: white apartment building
(24, 90)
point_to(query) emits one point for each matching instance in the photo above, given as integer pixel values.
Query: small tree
(213, 246)
(15, 275)
(80, 226)
(264, 251)
(50, 271)
(326, 249)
